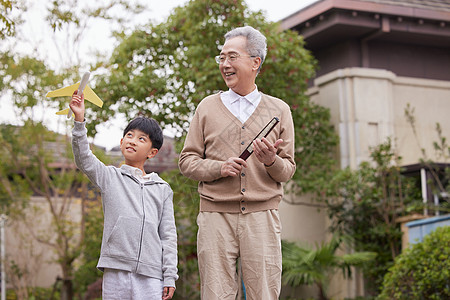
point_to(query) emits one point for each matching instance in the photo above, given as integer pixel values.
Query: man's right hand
(77, 106)
(232, 167)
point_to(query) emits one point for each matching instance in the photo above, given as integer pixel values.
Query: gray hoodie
(139, 233)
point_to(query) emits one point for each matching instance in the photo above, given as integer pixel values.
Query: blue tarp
(418, 229)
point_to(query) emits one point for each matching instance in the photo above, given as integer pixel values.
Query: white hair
(256, 41)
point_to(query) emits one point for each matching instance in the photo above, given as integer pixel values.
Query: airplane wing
(63, 112)
(65, 91)
(89, 95)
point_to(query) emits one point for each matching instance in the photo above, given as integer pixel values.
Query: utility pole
(2, 255)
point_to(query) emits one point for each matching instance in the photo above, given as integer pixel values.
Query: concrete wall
(368, 105)
(36, 260)
(431, 101)
(302, 220)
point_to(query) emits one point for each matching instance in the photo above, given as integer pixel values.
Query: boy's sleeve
(168, 234)
(85, 160)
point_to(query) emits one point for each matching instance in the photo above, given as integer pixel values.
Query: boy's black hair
(150, 127)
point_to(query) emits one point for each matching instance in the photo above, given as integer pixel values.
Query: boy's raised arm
(85, 160)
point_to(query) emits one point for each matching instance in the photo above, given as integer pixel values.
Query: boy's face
(137, 147)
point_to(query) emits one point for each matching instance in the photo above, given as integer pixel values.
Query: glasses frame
(233, 58)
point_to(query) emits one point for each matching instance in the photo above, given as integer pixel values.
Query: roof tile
(423, 4)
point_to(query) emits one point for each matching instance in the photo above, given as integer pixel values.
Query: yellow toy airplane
(81, 87)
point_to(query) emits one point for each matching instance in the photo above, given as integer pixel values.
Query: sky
(97, 38)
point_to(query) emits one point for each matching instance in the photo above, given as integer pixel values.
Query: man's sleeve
(193, 163)
(284, 166)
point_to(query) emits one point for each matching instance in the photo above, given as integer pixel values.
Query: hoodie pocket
(124, 238)
(151, 252)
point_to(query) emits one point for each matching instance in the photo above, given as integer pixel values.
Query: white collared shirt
(137, 173)
(241, 107)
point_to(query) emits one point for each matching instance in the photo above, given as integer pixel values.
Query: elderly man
(239, 198)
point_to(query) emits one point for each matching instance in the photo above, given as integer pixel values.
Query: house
(375, 58)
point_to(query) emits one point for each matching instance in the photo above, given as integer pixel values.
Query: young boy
(139, 245)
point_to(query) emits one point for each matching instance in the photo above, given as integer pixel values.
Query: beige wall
(431, 101)
(36, 259)
(301, 220)
(305, 223)
(367, 107)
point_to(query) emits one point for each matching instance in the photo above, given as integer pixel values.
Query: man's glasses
(220, 59)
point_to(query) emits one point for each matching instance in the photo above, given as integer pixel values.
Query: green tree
(365, 204)
(186, 206)
(35, 161)
(306, 266)
(24, 80)
(7, 22)
(31, 167)
(38, 162)
(87, 276)
(69, 12)
(421, 271)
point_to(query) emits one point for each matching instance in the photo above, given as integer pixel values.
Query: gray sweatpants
(124, 285)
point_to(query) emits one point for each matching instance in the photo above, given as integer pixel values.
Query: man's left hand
(264, 151)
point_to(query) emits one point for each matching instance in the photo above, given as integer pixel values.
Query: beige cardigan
(215, 135)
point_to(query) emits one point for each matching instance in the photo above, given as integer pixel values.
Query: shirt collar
(134, 171)
(137, 173)
(252, 97)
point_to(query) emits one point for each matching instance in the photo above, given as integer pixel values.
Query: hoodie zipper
(142, 185)
(142, 227)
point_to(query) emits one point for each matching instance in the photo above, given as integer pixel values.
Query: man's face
(239, 75)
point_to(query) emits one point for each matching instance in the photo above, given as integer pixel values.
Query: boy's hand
(77, 106)
(168, 292)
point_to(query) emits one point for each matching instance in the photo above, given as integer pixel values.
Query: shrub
(421, 271)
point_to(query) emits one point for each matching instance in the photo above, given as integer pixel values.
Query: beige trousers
(255, 238)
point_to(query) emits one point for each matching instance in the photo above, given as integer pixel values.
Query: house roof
(420, 8)
(425, 22)
(424, 4)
